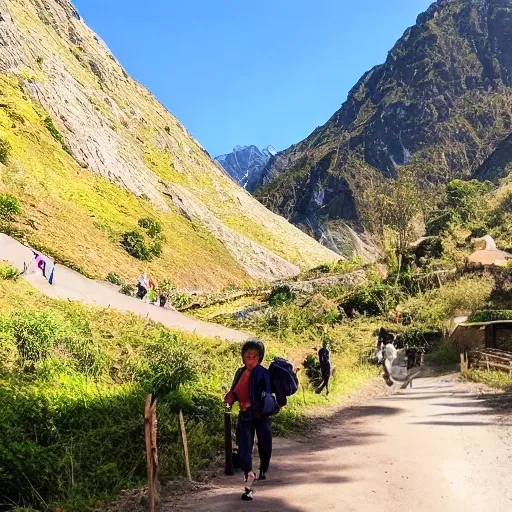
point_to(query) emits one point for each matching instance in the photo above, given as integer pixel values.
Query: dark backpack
(283, 380)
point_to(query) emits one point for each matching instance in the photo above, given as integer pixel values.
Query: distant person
(389, 353)
(142, 286)
(249, 385)
(324, 358)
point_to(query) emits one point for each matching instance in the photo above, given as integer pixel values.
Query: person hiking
(250, 385)
(324, 357)
(389, 355)
(142, 286)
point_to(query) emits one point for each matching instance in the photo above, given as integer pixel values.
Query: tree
(394, 209)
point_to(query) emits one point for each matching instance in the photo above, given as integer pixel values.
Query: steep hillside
(90, 152)
(442, 100)
(246, 164)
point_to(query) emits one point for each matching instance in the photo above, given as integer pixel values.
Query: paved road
(71, 285)
(437, 447)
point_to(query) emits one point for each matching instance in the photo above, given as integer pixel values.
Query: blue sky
(246, 72)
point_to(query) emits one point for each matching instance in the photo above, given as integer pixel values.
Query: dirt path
(71, 285)
(441, 446)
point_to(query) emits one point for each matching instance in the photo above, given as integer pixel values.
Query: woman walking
(250, 387)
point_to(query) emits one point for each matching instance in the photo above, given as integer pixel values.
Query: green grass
(99, 211)
(489, 316)
(498, 380)
(73, 380)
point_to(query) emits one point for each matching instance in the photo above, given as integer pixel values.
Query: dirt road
(438, 447)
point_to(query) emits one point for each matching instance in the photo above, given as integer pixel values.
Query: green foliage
(127, 289)
(34, 333)
(499, 380)
(48, 122)
(8, 273)
(153, 227)
(280, 295)
(180, 300)
(373, 299)
(113, 278)
(135, 245)
(9, 207)
(445, 353)
(463, 205)
(435, 307)
(167, 288)
(5, 149)
(311, 366)
(490, 316)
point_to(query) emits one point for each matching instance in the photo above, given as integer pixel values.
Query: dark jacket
(259, 382)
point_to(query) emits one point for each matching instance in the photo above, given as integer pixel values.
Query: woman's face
(251, 358)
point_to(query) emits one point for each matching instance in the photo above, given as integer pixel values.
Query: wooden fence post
(185, 444)
(150, 434)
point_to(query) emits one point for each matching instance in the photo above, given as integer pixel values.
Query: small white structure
(491, 255)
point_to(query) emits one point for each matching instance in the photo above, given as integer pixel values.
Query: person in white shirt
(389, 352)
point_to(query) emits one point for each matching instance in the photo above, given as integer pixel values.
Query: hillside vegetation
(89, 153)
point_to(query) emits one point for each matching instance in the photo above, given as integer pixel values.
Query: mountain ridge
(441, 101)
(102, 162)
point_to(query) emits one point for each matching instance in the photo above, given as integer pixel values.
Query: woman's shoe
(247, 495)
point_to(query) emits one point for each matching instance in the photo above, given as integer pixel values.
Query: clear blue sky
(250, 72)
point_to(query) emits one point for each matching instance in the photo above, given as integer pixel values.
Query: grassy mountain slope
(442, 101)
(92, 152)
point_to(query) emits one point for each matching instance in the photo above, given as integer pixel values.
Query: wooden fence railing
(491, 359)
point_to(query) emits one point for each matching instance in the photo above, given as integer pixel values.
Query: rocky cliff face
(441, 100)
(245, 164)
(92, 151)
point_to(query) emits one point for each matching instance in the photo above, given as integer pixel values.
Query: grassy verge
(498, 380)
(73, 380)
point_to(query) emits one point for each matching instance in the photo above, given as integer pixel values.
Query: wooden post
(228, 444)
(487, 362)
(185, 444)
(150, 434)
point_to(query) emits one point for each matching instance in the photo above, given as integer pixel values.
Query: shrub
(313, 372)
(114, 279)
(281, 295)
(490, 316)
(5, 149)
(152, 226)
(48, 122)
(180, 300)
(156, 247)
(9, 207)
(373, 299)
(135, 245)
(34, 333)
(127, 289)
(8, 273)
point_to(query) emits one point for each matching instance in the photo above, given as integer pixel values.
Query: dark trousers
(247, 426)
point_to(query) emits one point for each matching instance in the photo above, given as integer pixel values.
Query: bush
(152, 226)
(8, 273)
(373, 299)
(34, 333)
(434, 307)
(127, 289)
(48, 122)
(135, 245)
(9, 207)
(490, 316)
(5, 149)
(114, 279)
(180, 300)
(281, 295)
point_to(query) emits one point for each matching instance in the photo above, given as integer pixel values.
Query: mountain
(245, 164)
(441, 100)
(91, 155)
